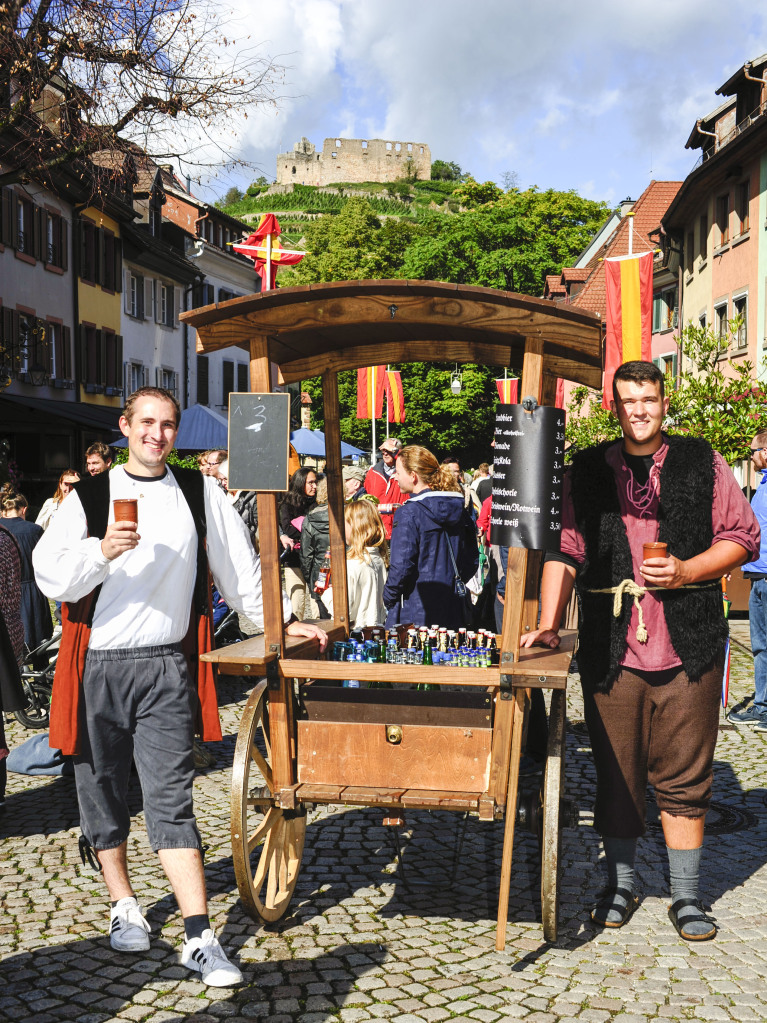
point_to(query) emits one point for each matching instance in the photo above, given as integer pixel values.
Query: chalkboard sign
(259, 438)
(528, 463)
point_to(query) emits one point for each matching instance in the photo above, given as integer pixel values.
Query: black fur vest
(695, 618)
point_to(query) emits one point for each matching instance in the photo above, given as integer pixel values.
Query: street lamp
(456, 378)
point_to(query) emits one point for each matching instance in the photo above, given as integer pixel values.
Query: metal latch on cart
(394, 734)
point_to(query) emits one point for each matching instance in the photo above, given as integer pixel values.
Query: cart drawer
(449, 706)
(427, 757)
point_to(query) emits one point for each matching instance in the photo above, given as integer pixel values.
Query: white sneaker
(128, 930)
(205, 955)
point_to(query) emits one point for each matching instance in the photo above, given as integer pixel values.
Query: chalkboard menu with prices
(528, 460)
(259, 440)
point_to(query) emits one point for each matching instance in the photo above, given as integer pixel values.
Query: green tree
(353, 245)
(232, 196)
(442, 171)
(512, 241)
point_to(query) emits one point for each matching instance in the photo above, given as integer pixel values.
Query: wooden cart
(309, 743)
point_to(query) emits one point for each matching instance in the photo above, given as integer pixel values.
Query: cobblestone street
(364, 940)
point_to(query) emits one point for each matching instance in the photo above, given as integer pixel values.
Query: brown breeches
(655, 727)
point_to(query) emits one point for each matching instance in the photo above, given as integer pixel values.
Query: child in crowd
(367, 558)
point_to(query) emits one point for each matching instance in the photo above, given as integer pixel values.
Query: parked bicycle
(37, 678)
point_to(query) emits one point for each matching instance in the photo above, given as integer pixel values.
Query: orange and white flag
(508, 390)
(395, 397)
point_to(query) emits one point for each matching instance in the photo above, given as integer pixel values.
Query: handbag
(459, 586)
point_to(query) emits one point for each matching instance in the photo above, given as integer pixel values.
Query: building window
(703, 237)
(202, 380)
(224, 294)
(113, 361)
(242, 377)
(723, 219)
(108, 260)
(741, 209)
(55, 253)
(720, 322)
(664, 309)
(164, 306)
(228, 377)
(740, 313)
(668, 365)
(60, 352)
(167, 379)
(136, 376)
(134, 295)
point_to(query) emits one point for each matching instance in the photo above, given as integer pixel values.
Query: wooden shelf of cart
(305, 741)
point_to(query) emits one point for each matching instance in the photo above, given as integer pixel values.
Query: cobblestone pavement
(359, 943)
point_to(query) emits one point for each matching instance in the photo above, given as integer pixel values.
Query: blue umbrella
(312, 442)
(200, 429)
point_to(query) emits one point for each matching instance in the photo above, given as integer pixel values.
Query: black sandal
(627, 911)
(699, 917)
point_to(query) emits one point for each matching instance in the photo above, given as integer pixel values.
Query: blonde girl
(367, 558)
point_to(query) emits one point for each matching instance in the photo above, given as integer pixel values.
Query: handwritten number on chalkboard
(259, 419)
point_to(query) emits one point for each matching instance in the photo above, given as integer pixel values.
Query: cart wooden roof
(350, 324)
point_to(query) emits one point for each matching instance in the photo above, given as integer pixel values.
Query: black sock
(195, 925)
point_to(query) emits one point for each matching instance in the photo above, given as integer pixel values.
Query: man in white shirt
(136, 700)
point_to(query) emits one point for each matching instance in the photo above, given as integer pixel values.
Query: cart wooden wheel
(267, 842)
(551, 839)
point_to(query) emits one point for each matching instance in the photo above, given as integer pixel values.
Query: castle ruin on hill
(353, 160)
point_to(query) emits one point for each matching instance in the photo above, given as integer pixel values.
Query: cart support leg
(552, 816)
(521, 697)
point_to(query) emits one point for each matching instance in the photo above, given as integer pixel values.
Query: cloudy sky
(595, 96)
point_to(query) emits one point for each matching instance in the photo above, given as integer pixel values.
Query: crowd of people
(134, 609)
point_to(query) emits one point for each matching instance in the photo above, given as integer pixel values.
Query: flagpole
(631, 233)
(268, 262)
(388, 409)
(373, 425)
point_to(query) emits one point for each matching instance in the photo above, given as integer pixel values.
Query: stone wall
(353, 160)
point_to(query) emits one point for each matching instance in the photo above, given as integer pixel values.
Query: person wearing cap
(354, 482)
(381, 483)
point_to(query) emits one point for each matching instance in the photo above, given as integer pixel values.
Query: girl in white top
(367, 558)
(51, 506)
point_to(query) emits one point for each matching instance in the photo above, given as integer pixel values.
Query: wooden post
(335, 499)
(280, 693)
(521, 579)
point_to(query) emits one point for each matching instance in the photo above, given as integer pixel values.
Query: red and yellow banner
(508, 390)
(395, 398)
(370, 388)
(628, 286)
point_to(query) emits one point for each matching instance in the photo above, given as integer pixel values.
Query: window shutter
(15, 220)
(85, 362)
(149, 296)
(127, 293)
(98, 255)
(119, 376)
(146, 376)
(140, 297)
(6, 217)
(118, 256)
(175, 385)
(65, 366)
(157, 302)
(42, 354)
(172, 321)
(101, 357)
(157, 376)
(39, 250)
(64, 243)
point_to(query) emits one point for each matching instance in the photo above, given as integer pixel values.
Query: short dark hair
(151, 392)
(638, 372)
(450, 460)
(101, 449)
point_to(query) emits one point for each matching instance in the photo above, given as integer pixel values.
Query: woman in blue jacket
(422, 587)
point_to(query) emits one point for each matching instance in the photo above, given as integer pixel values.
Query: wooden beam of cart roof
(349, 324)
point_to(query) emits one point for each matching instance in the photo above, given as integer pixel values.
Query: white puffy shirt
(146, 593)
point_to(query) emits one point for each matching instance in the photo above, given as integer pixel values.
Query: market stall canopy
(312, 442)
(201, 428)
(342, 325)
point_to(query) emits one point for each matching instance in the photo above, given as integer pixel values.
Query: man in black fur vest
(652, 631)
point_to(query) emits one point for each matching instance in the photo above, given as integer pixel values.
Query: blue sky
(597, 96)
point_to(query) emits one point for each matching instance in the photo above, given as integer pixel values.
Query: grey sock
(620, 854)
(684, 873)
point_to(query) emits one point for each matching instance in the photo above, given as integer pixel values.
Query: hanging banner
(507, 390)
(628, 314)
(395, 397)
(528, 464)
(370, 389)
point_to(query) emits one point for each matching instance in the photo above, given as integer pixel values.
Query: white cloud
(601, 93)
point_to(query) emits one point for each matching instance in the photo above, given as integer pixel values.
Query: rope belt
(633, 589)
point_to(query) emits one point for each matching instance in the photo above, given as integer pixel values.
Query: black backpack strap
(191, 483)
